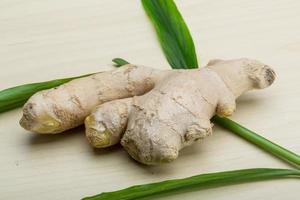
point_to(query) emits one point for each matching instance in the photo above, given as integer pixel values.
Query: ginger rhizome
(153, 113)
(65, 107)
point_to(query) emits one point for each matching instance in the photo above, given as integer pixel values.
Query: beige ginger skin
(65, 107)
(165, 111)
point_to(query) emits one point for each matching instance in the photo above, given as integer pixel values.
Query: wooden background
(43, 40)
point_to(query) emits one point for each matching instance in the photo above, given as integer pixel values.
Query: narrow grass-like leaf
(258, 140)
(16, 96)
(119, 62)
(198, 182)
(172, 32)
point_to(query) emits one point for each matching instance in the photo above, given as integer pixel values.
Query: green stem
(202, 181)
(258, 140)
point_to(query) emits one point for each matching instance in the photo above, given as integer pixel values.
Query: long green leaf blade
(258, 140)
(199, 181)
(16, 96)
(172, 32)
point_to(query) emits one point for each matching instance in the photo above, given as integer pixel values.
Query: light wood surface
(43, 40)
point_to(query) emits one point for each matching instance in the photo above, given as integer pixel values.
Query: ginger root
(65, 107)
(153, 113)
(107, 123)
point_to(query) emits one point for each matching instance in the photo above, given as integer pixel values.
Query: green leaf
(119, 62)
(199, 182)
(172, 32)
(258, 140)
(16, 96)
